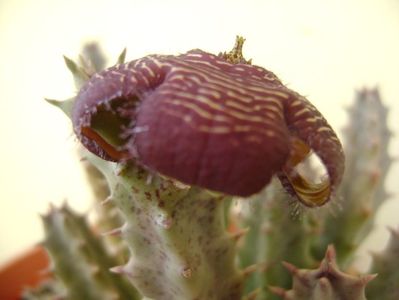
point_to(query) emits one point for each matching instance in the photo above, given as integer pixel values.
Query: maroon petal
(307, 125)
(201, 120)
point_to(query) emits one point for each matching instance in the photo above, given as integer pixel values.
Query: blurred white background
(322, 49)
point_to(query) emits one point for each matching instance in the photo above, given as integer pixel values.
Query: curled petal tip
(311, 135)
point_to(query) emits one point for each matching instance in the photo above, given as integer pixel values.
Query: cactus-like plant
(172, 141)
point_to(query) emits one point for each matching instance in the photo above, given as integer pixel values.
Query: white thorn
(164, 221)
(180, 185)
(118, 270)
(149, 179)
(139, 129)
(107, 200)
(113, 232)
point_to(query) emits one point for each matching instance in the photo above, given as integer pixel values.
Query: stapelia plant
(176, 138)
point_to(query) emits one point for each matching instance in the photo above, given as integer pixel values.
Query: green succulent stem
(81, 261)
(176, 235)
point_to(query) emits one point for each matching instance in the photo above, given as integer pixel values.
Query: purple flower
(208, 122)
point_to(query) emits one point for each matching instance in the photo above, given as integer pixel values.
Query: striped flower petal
(207, 121)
